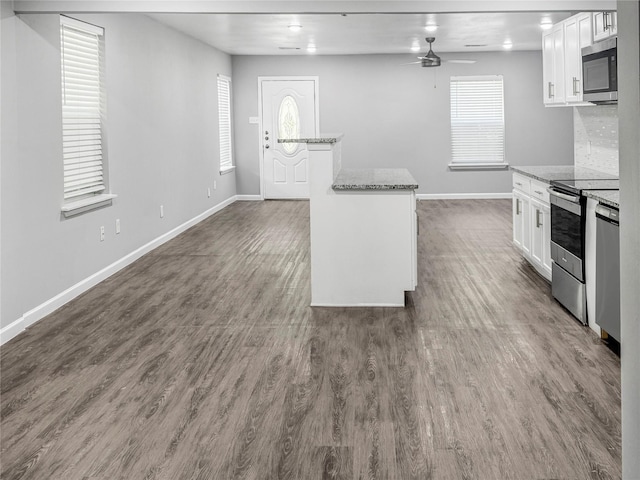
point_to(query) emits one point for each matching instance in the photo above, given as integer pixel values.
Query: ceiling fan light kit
(430, 59)
(433, 60)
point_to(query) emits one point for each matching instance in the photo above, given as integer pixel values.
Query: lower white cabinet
(521, 232)
(532, 222)
(541, 237)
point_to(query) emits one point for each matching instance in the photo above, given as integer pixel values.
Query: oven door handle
(564, 196)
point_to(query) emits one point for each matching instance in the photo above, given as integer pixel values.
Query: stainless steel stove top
(577, 186)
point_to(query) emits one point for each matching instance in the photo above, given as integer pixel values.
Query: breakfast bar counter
(374, 179)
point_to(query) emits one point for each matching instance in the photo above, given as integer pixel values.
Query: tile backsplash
(595, 137)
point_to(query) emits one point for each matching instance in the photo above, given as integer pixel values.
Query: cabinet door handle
(538, 224)
(605, 21)
(550, 90)
(517, 206)
(538, 192)
(519, 184)
(576, 86)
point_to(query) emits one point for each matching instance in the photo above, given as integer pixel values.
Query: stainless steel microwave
(600, 72)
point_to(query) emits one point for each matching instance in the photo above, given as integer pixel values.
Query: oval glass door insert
(289, 123)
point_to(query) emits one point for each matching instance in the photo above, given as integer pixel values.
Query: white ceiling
(259, 27)
(335, 34)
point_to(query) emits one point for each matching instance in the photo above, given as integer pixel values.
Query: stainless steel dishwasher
(608, 270)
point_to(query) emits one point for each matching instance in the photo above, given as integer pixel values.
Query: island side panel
(362, 242)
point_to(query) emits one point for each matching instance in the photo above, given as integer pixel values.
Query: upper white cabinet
(605, 25)
(577, 35)
(562, 60)
(553, 65)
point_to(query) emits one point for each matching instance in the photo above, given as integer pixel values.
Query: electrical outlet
(102, 234)
(215, 184)
(208, 193)
(161, 211)
(117, 226)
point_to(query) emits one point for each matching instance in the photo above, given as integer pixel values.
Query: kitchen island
(363, 230)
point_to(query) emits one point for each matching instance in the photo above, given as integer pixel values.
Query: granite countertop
(608, 197)
(562, 172)
(325, 138)
(375, 179)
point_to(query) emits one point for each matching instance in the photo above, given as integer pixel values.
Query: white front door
(289, 110)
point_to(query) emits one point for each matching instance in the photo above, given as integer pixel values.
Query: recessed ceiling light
(546, 24)
(507, 45)
(295, 27)
(431, 28)
(415, 47)
(311, 48)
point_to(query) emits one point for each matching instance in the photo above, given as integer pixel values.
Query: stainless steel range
(568, 209)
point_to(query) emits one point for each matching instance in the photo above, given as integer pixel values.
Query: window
(289, 123)
(82, 100)
(477, 122)
(224, 123)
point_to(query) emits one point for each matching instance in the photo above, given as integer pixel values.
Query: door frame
(316, 80)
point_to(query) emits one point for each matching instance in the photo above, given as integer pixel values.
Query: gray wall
(392, 116)
(629, 115)
(162, 127)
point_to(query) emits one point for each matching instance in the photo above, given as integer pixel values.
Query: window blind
(477, 120)
(81, 108)
(224, 121)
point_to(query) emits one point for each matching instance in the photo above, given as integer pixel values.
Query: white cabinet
(521, 234)
(521, 210)
(541, 236)
(553, 65)
(577, 35)
(605, 25)
(562, 60)
(532, 222)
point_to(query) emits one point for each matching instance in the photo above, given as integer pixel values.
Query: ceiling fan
(433, 60)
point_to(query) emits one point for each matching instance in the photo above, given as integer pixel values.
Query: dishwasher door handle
(607, 214)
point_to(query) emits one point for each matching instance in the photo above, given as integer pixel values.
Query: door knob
(266, 146)
(266, 138)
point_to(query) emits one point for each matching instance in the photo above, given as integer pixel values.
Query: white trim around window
(477, 123)
(82, 57)
(225, 124)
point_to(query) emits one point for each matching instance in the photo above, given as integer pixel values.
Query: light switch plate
(253, 120)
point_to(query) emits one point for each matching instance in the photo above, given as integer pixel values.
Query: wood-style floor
(203, 360)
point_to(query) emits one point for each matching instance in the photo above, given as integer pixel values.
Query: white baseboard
(248, 198)
(44, 309)
(462, 196)
(357, 305)
(12, 330)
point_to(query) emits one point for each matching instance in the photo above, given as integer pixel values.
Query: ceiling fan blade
(411, 63)
(459, 61)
